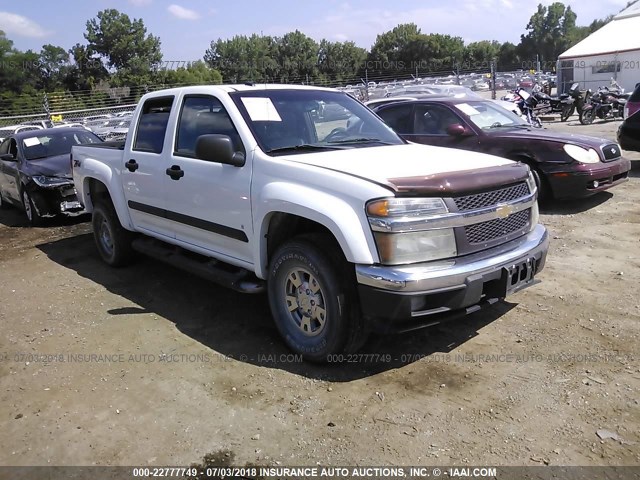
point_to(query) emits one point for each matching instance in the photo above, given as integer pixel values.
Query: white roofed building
(613, 51)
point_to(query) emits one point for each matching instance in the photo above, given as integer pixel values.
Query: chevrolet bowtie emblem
(614, 151)
(503, 211)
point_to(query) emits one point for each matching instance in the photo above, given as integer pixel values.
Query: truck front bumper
(406, 297)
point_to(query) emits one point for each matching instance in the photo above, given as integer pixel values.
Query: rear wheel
(313, 298)
(587, 116)
(112, 240)
(33, 217)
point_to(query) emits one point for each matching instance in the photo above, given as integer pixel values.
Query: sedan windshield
(295, 121)
(52, 144)
(487, 115)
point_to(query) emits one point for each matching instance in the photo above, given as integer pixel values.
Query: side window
(434, 119)
(398, 117)
(152, 125)
(202, 115)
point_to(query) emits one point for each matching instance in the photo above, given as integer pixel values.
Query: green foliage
(121, 61)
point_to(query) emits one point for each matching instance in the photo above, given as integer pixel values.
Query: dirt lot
(182, 368)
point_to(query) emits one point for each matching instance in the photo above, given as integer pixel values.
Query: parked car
(105, 127)
(13, 129)
(35, 172)
(633, 103)
(348, 230)
(564, 165)
(629, 132)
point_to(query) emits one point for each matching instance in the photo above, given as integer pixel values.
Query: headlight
(582, 155)
(404, 207)
(43, 181)
(414, 247)
(531, 183)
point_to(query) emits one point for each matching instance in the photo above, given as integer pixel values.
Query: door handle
(131, 165)
(175, 172)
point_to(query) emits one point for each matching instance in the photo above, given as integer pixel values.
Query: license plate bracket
(519, 275)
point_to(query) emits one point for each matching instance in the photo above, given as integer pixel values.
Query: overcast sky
(186, 28)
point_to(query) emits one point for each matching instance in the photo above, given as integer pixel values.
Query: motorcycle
(575, 102)
(607, 104)
(547, 104)
(527, 103)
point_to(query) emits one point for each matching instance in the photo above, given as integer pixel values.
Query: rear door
(209, 203)
(144, 170)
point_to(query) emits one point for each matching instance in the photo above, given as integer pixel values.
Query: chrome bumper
(455, 273)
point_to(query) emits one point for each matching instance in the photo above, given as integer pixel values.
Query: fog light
(596, 184)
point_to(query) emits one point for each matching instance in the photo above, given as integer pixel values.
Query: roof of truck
(241, 87)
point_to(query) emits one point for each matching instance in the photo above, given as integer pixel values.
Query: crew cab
(348, 228)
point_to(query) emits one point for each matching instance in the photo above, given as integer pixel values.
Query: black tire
(587, 116)
(313, 298)
(112, 240)
(33, 217)
(544, 192)
(567, 111)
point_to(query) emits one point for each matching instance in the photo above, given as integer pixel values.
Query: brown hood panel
(459, 183)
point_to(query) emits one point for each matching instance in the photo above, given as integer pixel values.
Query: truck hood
(413, 169)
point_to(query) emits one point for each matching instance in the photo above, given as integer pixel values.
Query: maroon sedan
(565, 165)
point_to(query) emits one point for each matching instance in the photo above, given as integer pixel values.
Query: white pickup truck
(307, 194)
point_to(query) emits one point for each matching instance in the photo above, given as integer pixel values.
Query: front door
(209, 203)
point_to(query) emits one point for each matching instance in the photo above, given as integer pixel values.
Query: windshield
(311, 120)
(487, 115)
(54, 144)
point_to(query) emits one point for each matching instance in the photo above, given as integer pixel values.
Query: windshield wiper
(303, 147)
(347, 141)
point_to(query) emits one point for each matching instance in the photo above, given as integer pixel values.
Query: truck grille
(493, 229)
(611, 152)
(489, 199)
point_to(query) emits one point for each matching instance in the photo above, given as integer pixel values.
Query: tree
(244, 59)
(198, 73)
(479, 55)
(297, 57)
(386, 52)
(551, 31)
(508, 58)
(54, 67)
(87, 71)
(340, 61)
(123, 44)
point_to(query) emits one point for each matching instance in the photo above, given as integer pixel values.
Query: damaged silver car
(35, 171)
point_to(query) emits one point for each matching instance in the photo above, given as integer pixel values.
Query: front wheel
(567, 111)
(33, 217)
(587, 116)
(112, 240)
(313, 298)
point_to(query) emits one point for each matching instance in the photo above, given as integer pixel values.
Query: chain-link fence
(372, 82)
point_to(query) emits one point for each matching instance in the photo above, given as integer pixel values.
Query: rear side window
(152, 125)
(398, 117)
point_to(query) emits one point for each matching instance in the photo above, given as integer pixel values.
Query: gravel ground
(150, 365)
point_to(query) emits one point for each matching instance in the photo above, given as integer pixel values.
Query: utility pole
(537, 62)
(493, 79)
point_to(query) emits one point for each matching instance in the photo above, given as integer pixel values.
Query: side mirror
(7, 157)
(456, 130)
(219, 149)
